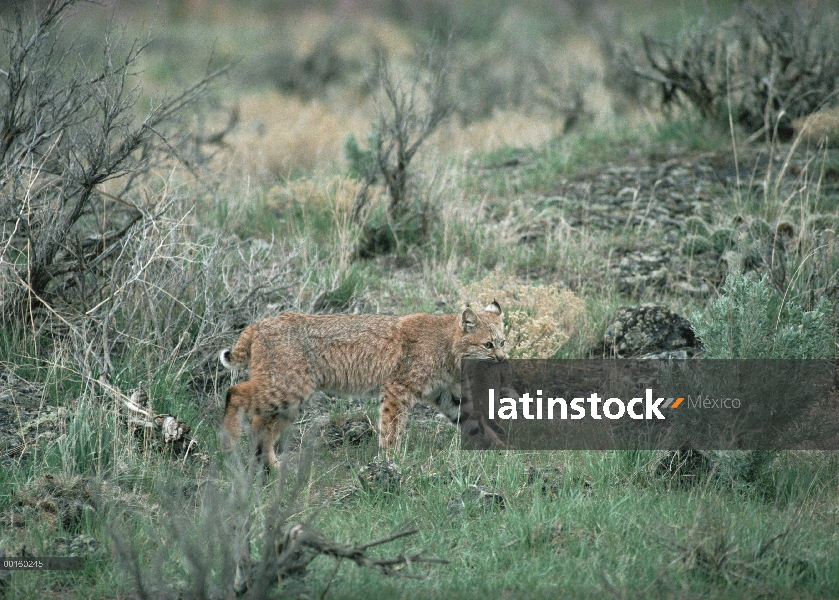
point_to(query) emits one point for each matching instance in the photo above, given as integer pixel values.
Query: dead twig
(299, 545)
(299, 537)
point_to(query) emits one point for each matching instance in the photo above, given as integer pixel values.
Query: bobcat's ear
(468, 320)
(493, 308)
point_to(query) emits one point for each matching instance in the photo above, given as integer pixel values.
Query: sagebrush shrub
(361, 162)
(752, 320)
(68, 127)
(539, 318)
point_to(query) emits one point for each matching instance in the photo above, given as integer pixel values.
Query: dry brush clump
(764, 67)
(171, 297)
(124, 274)
(226, 542)
(68, 126)
(539, 319)
(411, 105)
(725, 551)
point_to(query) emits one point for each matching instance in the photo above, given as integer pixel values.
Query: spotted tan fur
(405, 359)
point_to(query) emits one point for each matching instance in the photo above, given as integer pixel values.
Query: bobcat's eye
(501, 343)
(488, 345)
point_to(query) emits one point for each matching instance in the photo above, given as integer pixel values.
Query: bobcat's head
(482, 334)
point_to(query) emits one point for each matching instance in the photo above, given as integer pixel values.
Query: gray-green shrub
(752, 320)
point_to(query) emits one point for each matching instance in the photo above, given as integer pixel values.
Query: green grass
(608, 522)
(626, 531)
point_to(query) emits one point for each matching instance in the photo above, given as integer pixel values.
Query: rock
(683, 287)
(25, 422)
(351, 431)
(638, 270)
(647, 331)
(456, 507)
(483, 497)
(547, 477)
(81, 545)
(380, 475)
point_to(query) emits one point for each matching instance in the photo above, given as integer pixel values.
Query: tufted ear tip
(493, 307)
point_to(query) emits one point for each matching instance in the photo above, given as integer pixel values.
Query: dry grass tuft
(819, 126)
(280, 134)
(539, 318)
(336, 194)
(504, 128)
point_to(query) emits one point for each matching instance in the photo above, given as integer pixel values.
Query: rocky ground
(684, 208)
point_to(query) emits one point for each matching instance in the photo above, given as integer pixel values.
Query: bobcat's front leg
(397, 400)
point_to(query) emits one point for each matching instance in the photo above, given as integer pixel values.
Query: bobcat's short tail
(238, 356)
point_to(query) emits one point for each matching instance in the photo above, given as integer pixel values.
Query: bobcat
(406, 359)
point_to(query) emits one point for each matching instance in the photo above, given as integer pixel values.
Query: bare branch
(65, 129)
(292, 555)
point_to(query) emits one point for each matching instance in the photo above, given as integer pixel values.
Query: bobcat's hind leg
(238, 400)
(267, 426)
(264, 433)
(397, 401)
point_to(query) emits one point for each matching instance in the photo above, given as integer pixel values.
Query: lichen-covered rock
(483, 497)
(649, 331)
(380, 475)
(638, 270)
(80, 545)
(25, 422)
(352, 430)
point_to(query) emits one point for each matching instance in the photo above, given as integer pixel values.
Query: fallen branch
(298, 537)
(300, 545)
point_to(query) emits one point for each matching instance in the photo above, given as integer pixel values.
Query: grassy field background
(557, 185)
